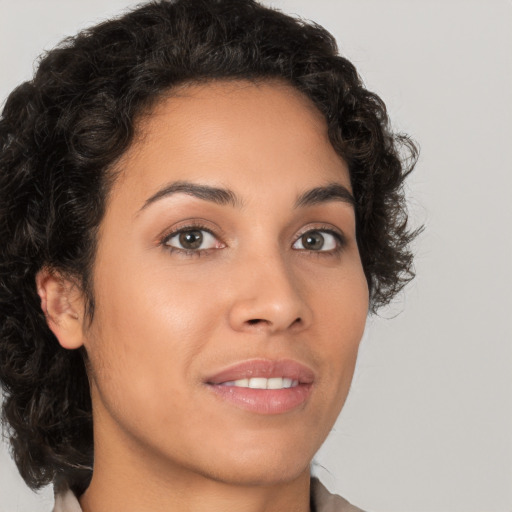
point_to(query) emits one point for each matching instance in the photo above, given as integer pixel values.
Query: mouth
(264, 386)
(263, 383)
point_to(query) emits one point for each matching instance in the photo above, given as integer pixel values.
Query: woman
(201, 203)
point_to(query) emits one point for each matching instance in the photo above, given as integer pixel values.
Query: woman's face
(227, 253)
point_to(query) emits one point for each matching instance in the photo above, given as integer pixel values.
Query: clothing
(321, 501)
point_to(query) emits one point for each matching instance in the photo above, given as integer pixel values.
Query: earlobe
(62, 306)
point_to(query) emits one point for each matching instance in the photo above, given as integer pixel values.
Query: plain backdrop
(428, 424)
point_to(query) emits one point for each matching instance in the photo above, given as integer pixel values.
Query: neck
(134, 491)
(133, 479)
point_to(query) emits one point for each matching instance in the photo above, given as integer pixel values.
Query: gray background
(428, 423)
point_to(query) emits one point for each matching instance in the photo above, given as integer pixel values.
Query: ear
(62, 304)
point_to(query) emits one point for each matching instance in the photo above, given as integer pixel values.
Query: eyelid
(207, 238)
(190, 225)
(329, 228)
(185, 229)
(217, 233)
(326, 228)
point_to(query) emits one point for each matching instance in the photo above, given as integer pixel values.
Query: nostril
(255, 321)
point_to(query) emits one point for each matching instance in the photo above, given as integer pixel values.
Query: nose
(268, 298)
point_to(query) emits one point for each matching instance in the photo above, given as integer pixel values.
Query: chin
(260, 467)
(263, 475)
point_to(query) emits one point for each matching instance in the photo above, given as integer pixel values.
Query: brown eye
(312, 241)
(317, 240)
(192, 240)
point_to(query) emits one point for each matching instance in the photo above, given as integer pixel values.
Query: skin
(167, 319)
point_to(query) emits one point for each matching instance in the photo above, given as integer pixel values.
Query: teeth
(262, 383)
(275, 383)
(258, 383)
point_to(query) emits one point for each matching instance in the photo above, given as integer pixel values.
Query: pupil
(313, 241)
(191, 239)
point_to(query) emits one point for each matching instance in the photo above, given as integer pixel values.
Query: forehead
(239, 134)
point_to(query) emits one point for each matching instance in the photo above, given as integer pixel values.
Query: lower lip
(264, 401)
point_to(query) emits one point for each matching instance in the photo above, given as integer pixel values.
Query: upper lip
(264, 368)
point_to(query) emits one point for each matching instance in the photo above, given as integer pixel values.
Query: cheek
(341, 301)
(341, 313)
(148, 330)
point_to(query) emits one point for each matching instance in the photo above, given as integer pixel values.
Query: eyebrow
(324, 194)
(223, 196)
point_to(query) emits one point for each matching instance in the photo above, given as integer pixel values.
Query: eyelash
(341, 241)
(339, 237)
(187, 252)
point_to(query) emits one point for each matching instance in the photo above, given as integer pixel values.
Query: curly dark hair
(61, 134)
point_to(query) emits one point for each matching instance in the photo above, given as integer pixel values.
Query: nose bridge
(268, 294)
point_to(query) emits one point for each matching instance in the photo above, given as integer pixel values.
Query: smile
(263, 386)
(262, 383)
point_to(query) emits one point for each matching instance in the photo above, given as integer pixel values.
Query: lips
(262, 386)
(286, 369)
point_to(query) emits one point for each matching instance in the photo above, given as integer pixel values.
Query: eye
(318, 240)
(192, 239)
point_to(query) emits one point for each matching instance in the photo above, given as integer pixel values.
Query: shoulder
(323, 501)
